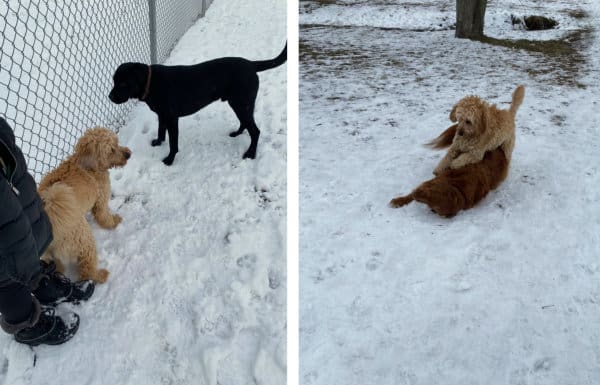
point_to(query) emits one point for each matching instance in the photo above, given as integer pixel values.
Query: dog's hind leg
(401, 201)
(173, 130)
(233, 134)
(254, 135)
(87, 261)
(245, 113)
(508, 147)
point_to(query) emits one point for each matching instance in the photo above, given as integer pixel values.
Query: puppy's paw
(169, 160)
(101, 276)
(156, 142)
(116, 220)
(454, 164)
(98, 276)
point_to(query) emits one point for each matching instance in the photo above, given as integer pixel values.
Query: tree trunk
(470, 15)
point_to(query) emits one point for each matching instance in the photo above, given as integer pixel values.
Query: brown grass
(565, 55)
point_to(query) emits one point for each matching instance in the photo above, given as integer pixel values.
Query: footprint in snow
(246, 266)
(274, 279)
(373, 264)
(544, 364)
(459, 284)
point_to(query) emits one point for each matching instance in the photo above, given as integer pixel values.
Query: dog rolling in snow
(454, 190)
(479, 128)
(81, 184)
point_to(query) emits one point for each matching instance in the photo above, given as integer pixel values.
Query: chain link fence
(57, 60)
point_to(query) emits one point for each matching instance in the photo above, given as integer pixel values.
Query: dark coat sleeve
(18, 248)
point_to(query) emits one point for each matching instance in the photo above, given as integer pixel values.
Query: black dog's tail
(264, 65)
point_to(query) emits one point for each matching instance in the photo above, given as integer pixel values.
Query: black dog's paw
(156, 142)
(233, 134)
(249, 155)
(169, 160)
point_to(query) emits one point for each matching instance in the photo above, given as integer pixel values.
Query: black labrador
(176, 91)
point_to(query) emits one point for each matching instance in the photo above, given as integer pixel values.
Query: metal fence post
(152, 20)
(202, 8)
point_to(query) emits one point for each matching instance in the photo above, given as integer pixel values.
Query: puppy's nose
(127, 153)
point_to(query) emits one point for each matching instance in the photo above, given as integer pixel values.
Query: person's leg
(29, 322)
(18, 308)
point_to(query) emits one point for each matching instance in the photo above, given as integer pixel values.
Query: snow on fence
(57, 60)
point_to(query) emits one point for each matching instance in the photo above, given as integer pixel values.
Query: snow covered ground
(197, 292)
(505, 293)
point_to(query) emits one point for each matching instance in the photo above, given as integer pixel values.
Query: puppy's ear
(88, 162)
(485, 118)
(453, 114)
(445, 139)
(85, 156)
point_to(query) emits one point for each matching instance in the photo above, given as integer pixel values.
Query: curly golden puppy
(81, 184)
(480, 128)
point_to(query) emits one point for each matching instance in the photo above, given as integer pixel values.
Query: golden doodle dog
(81, 184)
(479, 128)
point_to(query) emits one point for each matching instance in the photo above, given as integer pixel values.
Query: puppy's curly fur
(81, 184)
(480, 128)
(454, 190)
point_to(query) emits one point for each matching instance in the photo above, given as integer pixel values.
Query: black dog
(176, 91)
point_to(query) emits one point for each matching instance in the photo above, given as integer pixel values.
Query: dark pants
(16, 304)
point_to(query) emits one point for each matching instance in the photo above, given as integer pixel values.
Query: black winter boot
(49, 329)
(54, 288)
(47, 268)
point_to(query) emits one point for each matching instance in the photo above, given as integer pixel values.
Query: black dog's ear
(138, 76)
(141, 78)
(134, 75)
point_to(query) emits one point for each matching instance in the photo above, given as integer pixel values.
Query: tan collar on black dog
(147, 90)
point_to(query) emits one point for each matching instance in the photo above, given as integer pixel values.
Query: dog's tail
(517, 99)
(263, 65)
(58, 202)
(445, 138)
(401, 201)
